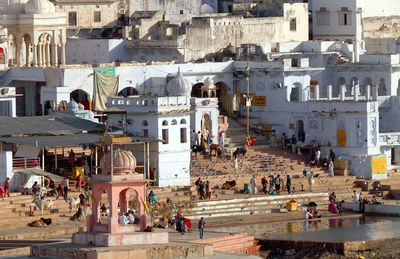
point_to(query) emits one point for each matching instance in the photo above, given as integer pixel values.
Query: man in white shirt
(131, 217)
(123, 221)
(356, 197)
(317, 157)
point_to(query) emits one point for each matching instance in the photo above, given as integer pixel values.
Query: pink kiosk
(117, 179)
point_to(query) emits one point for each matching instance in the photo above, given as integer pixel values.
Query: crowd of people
(276, 184)
(203, 189)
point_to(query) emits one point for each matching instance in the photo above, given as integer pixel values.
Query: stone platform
(119, 239)
(160, 251)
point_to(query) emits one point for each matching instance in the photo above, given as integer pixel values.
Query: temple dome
(179, 86)
(123, 163)
(39, 6)
(208, 84)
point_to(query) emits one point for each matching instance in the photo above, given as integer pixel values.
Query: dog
(42, 222)
(240, 151)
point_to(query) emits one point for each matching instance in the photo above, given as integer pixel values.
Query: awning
(39, 172)
(56, 141)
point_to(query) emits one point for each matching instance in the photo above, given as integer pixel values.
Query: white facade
(168, 120)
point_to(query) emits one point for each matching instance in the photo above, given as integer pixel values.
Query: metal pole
(55, 158)
(144, 161)
(43, 158)
(111, 160)
(248, 90)
(96, 162)
(148, 159)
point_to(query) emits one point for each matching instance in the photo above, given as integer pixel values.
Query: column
(62, 53)
(367, 92)
(113, 225)
(35, 55)
(356, 93)
(329, 93)
(374, 93)
(28, 55)
(316, 92)
(47, 54)
(39, 54)
(123, 201)
(55, 55)
(18, 52)
(342, 93)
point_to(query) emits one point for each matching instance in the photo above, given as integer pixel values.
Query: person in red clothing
(7, 188)
(79, 182)
(2, 193)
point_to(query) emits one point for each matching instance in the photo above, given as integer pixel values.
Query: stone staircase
(234, 136)
(234, 244)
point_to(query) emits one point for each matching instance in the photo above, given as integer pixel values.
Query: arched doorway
(82, 97)
(382, 90)
(128, 91)
(366, 85)
(26, 50)
(196, 90)
(301, 135)
(206, 124)
(336, 90)
(222, 97)
(350, 89)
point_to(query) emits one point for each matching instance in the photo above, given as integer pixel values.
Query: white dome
(205, 8)
(208, 85)
(179, 86)
(39, 6)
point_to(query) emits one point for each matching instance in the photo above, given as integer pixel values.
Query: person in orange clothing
(7, 188)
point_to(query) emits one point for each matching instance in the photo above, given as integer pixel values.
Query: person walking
(278, 184)
(182, 225)
(253, 185)
(288, 183)
(7, 188)
(201, 227)
(330, 168)
(235, 164)
(65, 185)
(317, 158)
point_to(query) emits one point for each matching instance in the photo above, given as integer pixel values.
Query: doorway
(301, 135)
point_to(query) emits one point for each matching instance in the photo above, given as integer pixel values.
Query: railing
(26, 162)
(389, 139)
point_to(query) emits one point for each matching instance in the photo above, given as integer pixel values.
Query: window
(72, 18)
(97, 16)
(165, 123)
(295, 62)
(323, 18)
(174, 122)
(145, 123)
(183, 135)
(165, 136)
(183, 121)
(345, 18)
(293, 24)
(145, 133)
(181, 11)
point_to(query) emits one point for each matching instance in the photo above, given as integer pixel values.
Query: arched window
(174, 122)
(165, 123)
(145, 123)
(183, 121)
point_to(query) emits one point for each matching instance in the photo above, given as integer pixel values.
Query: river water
(338, 229)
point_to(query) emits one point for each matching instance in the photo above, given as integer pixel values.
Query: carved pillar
(316, 92)
(329, 93)
(355, 93)
(367, 92)
(47, 54)
(28, 55)
(35, 55)
(113, 225)
(342, 93)
(55, 55)
(62, 53)
(39, 54)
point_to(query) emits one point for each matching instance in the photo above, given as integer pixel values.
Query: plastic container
(291, 205)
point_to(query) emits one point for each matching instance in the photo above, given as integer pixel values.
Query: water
(329, 230)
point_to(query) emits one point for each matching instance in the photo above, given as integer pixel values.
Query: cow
(43, 204)
(73, 202)
(240, 151)
(215, 148)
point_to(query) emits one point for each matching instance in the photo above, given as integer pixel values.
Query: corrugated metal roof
(56, 124)
(56, 141)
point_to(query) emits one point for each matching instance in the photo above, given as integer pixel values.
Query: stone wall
(382, 27)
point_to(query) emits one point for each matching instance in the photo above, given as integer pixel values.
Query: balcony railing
(22, 163)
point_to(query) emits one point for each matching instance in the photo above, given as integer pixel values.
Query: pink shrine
(117, 179)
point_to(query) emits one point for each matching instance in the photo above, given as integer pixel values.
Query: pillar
(142, 210)
(28, 55)
(43, 159)
(62, 53)
(316, 92)
(113, 225)
(123, 201)
(95, 217)
(342, 93)
(329, 93)
(47, 54)
(55, 54)
(356, 93)
(39, 54)
(367, 92)
(35, 55)
(374, 93)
